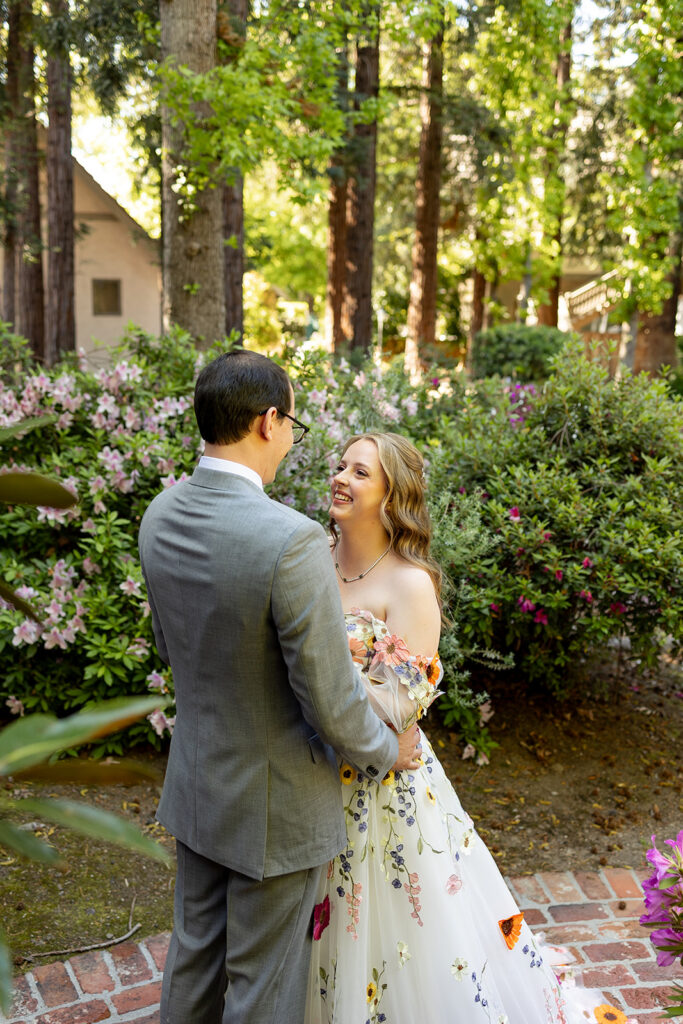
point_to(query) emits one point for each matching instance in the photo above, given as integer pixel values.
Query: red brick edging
(594, 914)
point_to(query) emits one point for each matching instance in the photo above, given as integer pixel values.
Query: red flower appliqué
(321, 918)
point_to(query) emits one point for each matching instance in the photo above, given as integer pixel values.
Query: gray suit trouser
(240, 948)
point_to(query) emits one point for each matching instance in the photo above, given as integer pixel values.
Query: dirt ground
(575, 786)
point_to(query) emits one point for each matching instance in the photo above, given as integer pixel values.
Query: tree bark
(9, 239)
(193, 261)
(423, 282)
(30, 298)
(360, 201)
(60, 334)
(547, 313)
(232, 29)
(656, 340)
(336, 221)
(478, 296)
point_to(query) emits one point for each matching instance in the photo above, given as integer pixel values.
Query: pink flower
(494, 607)
(453, 884)
(55, 639)
(525, 604)
(90, 567)
(155, 681)
(514, 514)
(486, 712)
(617, 608)
(587, 564)
(27, 633)
(663, 939)
(160, 722)
(15, 705)
(130, 587)
(558, 575)
(482, 758)
(547, 535)
(469, 751)
(321, 918)
(391, 650)
(541, 618)
(587, 596)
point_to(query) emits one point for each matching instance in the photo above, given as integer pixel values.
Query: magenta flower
(547, 535)
(587, 596)
(667, 942)
(587, 564)
(541, 617)
(558, 575)
(494, 607)
(525, 604)
(617, 608)
(321, 918)
(514, 514)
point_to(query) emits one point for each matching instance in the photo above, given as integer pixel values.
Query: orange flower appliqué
(511, 927)
(391, 650)
(606, 1014)
(357, 648)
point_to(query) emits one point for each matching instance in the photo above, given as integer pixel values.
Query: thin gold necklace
(352, 579)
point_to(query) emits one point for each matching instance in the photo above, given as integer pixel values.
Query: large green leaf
(92, 821)
(5, 974)
(19, 429)
(35, 738)
(25, 843)
(89, 773)
(34, 489)
(23, 606)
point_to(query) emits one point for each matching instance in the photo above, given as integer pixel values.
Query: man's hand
(409, 750)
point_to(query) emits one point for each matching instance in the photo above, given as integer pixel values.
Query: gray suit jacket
(247, 613)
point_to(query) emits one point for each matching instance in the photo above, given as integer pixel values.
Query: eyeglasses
(299, 430)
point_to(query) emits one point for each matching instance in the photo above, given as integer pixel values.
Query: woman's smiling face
(359, 483)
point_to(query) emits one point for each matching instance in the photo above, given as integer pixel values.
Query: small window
(106, 298)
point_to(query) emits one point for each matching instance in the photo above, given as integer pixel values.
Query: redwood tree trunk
(478, 296)
(60, 333)
(423, 283)
(360, 202)
(656, 340)
(336, 221)
(30, 313)
(232, 29)
(547, 313)
(9, 239)
(193, 263)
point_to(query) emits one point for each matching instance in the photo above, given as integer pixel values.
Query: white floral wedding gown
(415, 924)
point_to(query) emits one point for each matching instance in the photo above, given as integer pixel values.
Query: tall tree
(360, 200)
(29, 301)
(232, 30)
(9, 204)
(60, 320)
(422, 304)
(193, 265)
(336, 216)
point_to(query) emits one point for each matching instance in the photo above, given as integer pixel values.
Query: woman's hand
(409, 750)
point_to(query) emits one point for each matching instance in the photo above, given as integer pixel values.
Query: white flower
(403, 954)
(458, 967)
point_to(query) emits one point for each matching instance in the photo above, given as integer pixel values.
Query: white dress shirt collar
(226, 466)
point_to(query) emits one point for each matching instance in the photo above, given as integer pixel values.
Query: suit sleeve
(156, 624)
(310, 622)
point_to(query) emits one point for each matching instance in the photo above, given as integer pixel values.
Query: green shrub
(517, 351)
(582, 495)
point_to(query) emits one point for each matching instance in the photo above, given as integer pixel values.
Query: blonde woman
(415, 922)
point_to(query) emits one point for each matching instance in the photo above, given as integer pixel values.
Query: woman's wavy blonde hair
(403, 511)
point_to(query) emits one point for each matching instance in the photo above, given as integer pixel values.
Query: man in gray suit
(247, 613)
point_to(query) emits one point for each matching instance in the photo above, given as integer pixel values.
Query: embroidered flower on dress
(511, 927)
(459, 967)
(347, 774)
(606, 1014)
(430, 796)
(403, 954)
(467, 841)
(388, 779)
(391, 650)
(321, 918)
(371, 991)
(453, 884)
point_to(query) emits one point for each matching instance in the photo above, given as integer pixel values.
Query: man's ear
(266, 427)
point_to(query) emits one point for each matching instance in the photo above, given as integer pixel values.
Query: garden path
(594, 914)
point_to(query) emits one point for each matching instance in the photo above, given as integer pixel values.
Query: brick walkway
(594, 914)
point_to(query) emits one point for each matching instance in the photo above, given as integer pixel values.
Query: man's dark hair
(232, 389)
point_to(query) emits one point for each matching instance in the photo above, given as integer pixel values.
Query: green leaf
(99, 824)
(34, 489)
(35, 738)
(5, 974)
(19, 429)
(26, 844)
(89, 773)
(23, 606)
